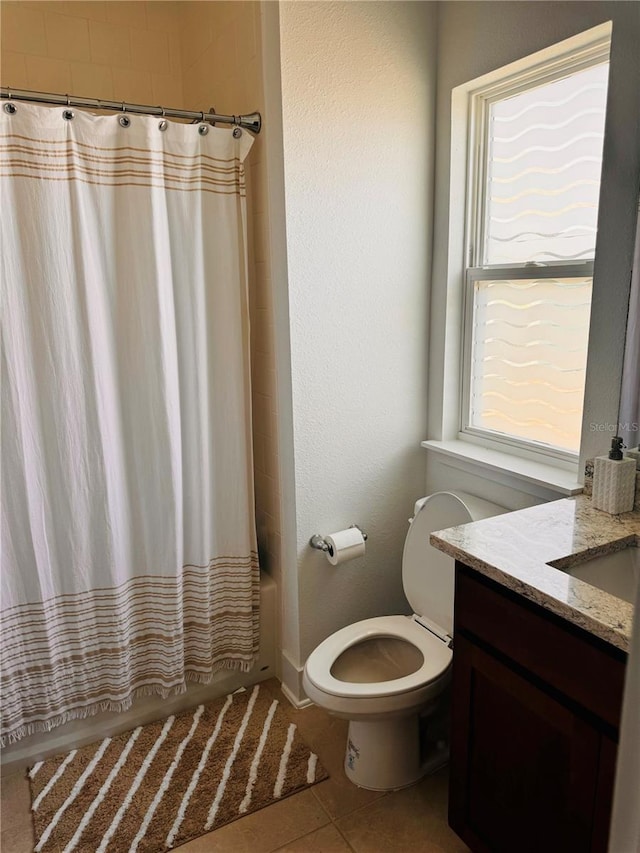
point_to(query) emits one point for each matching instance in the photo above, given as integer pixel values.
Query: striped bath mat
(158, 786)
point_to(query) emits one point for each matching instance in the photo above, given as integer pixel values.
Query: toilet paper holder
(320, 544)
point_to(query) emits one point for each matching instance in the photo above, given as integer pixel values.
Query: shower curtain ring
(9, 107)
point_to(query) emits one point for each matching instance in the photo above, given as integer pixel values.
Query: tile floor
(332, 817)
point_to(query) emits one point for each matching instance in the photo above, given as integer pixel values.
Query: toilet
(385, 675)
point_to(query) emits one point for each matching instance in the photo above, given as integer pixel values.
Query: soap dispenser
(614, 480)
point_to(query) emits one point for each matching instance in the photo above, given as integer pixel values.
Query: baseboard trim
(292, 682)
(305, 703)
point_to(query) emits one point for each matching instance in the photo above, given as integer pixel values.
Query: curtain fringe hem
(125, 704)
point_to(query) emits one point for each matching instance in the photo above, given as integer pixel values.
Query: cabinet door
(604, 795)
(523, 766)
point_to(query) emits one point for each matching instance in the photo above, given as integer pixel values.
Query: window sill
(545, 481)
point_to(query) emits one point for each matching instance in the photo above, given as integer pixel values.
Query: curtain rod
(252, 122)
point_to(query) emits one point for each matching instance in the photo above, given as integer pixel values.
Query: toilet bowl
(387, 675)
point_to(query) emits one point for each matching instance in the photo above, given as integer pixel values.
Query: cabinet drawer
(565, 657)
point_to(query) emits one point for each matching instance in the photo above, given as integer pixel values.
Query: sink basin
(615, 573)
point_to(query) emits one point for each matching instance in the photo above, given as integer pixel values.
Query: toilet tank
(427, 573)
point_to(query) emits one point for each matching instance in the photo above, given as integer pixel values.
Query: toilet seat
(436, 657)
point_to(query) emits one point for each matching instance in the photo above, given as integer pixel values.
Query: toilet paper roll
(345, 545)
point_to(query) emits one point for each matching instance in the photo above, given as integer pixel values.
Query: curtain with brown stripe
(129, 562)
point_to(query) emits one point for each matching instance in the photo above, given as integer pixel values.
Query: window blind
(543, 170)
(529, 357)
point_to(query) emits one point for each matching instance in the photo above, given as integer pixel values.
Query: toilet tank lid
(427, 573)
(478, 507)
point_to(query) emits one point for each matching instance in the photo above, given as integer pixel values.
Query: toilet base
(384, 755)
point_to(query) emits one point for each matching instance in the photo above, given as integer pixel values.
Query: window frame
(479, 104)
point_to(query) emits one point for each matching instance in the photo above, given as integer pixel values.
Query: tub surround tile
(96, 10)
(110, 44)
(44, 74)
(127, 13)
(514, 550)
(67, 37)
(149, 51)
(14, 68)
(163, 16)
(94, 81)
(23, 29)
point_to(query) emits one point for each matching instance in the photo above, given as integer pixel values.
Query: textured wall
(121, 51)
(475, 39)
(357, 96)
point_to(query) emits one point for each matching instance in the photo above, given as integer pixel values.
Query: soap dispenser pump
(614, 480)
(616, 448)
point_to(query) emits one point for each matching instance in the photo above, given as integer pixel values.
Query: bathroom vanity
(538, 674)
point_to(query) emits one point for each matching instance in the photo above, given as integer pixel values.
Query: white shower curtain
(129, 562)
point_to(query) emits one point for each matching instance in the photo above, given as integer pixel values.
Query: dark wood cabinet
(533, 738)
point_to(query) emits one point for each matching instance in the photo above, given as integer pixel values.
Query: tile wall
(110, 50)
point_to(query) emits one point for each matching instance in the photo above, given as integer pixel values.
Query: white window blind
(543, 177)
(529, 357)
(535, 208)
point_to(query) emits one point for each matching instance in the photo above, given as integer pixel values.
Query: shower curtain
(129, 562)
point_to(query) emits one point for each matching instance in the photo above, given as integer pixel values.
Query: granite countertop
(513, 549)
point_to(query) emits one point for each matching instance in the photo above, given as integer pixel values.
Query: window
(533, 188)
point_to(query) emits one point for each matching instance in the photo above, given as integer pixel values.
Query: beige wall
(190, 54)
(111, 50)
